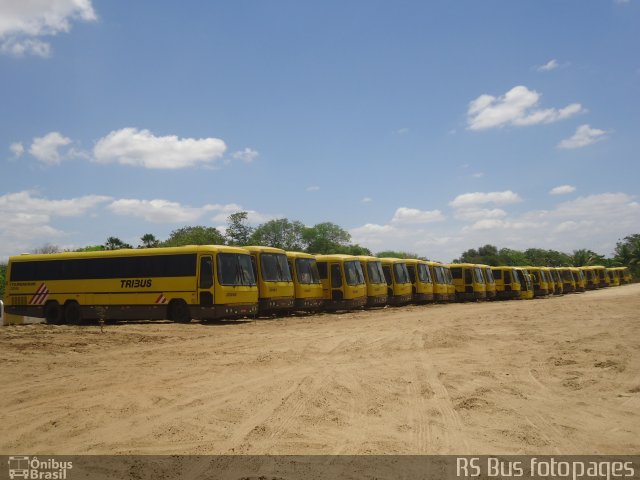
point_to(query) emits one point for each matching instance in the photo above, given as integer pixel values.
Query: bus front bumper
(334, 305)
(377, 300)
(308, 303)
(400, 299)
(422, 297)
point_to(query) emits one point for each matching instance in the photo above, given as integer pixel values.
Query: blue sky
(430, 127)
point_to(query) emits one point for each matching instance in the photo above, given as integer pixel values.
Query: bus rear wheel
(53, 313)
(179, 311)
(72, 313)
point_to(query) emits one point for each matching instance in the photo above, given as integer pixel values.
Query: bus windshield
(401, 273)
(307, 271)
(275, 267)
(423, 273)
(235, 269)
(376, 275)
(353, 273)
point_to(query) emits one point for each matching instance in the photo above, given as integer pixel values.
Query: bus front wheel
(53, 313)
(179, 312)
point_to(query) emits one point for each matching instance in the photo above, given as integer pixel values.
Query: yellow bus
(181, 283)
(343, 284)
(601, 273)
(441, 282)
(451, 288)
(555, 288)
(590, 276)
(469, 281)
(399, 285)
(374, 278)
(526, 286)
(581, 283)
(306, 281)
(420, 276)
(614, 276)
(540, 281)
(625, 274)
(489, 281)
(275, 285)
(568, 280)
(507, 282)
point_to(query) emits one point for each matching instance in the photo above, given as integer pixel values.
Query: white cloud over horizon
(584, 136)
(516, 107)
(413, 216)
(141, 148)
(24, 23)
(550, 65)
(562, 190)
(473, 199)
(46, 148)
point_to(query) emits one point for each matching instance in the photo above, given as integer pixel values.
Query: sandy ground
(557, 375)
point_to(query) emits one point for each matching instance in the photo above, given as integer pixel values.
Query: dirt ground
(558, 376)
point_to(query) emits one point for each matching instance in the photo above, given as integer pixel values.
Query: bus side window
(206, 272)
(322, 269)
(336, 276)
(467, 276)
(507, 276)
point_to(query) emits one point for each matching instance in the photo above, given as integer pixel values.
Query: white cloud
(155, 211)
(168, 212)
(26, 219)
(550, 65)
(562, 190)
(402, 131)
(23, 23)
(367, 200)
(313, 188)
(46, 148)
(17, 149)
(413, 215)
(247, 155)
(130, 146)
(516, 107)
(584, 136)
(478, 198)
(477, 175)
(473, 213)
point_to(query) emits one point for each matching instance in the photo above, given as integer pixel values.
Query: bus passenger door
(205, 281)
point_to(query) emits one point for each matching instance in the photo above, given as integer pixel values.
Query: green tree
(510, 257)
(325, 238)
(114, 243)
(627, 253)
(398, 254)
(91, 248)
(149, 240)
(279, 233)
(47, 248)
(584, 258)
(238, 229)
(197, 235)
(353, 250)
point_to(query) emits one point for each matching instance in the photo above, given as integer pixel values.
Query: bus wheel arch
(72, 313)
(52, 313)
(178, 311)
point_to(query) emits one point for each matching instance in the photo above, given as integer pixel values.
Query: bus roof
(128, 252)
(263, 249)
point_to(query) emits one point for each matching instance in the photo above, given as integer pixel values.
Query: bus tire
(179, 311)
(53, 313)
(72, 313)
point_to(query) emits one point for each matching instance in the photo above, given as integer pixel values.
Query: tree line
(327, 237)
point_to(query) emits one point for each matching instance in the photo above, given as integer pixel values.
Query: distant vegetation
(327, 237)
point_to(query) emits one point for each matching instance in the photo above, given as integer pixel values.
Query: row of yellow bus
(215, 282)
